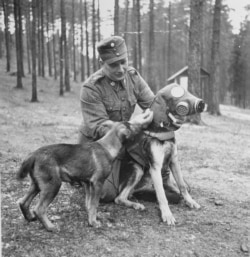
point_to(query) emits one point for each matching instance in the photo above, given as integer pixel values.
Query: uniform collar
(114, 83)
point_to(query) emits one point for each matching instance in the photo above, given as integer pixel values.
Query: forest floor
(215, 159)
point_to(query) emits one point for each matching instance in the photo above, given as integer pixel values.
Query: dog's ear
(124, 131)
(160, 109)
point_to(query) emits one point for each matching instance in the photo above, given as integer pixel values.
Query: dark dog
(159, 148)
(89, 164)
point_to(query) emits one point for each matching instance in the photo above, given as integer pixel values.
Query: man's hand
(143, 119)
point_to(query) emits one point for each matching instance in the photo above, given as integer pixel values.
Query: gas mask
(171, 105)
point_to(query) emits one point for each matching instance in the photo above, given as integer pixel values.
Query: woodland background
(162, 37)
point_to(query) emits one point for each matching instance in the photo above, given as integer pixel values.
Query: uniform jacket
(103, 99)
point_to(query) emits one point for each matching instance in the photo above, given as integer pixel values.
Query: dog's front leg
(176, 170)
(166, 213)
(155, 172)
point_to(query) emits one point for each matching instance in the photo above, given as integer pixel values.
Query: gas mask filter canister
(182, 108)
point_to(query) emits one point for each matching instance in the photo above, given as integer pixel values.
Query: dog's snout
(199, 106)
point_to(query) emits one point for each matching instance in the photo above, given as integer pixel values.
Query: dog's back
(73, 161)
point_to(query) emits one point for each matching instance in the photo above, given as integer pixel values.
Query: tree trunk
(134, 28)
(18, 46)
(126, 21)
(7, 34)
(48, 38)
(82, 42)
(54, 39)
(61, 63)
(98, 22)
(169, 40)
(42, 39)
(1, 43)
(34, 52)
(73, 37)
(164, 52)
(214, 84)
(116, 18)
(93, 34)
(20, 38)
(65, 46)
(28, 35)
(61, 42)
(138, 7)
(39, 38)
(87, 36)
(151, 48)
(194, 57)
(98, 29)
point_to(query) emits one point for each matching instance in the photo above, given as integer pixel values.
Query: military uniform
(103, 99)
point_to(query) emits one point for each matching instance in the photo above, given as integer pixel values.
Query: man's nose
(121, 67)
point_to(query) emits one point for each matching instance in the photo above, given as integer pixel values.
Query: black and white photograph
(125, 128)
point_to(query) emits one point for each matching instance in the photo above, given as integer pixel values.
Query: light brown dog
(158, 149)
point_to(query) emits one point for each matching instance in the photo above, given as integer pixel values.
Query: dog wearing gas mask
(159, 149)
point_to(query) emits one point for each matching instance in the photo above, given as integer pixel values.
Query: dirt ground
(215, 160)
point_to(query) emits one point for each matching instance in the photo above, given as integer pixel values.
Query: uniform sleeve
(145, 94)
(93, 112)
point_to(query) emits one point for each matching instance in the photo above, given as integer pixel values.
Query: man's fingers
(144, 119)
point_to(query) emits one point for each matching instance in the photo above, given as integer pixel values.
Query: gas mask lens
(177, 92)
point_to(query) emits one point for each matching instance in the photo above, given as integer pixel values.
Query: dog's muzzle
(199, 106)
(184, 108)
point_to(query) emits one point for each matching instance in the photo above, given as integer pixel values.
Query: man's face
(116, 70)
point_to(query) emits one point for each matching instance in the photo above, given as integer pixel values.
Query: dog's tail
(26, 167)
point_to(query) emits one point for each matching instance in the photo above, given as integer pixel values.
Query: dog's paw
(168, 217)
(32, 216)
(193, 204)
(50, 227)
(138, 206)
(29, 215)
(95, 223)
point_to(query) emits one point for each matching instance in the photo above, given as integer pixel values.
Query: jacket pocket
(113, 110)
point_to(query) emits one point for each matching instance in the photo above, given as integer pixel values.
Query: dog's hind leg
(24, 203)
(87, 195)
(122, 198)
(47, 195)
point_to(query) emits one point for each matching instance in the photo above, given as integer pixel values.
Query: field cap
(112, 49)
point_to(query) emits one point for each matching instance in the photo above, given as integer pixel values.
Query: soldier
(110, 95)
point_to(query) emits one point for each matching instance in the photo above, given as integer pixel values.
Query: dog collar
(162, 136)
